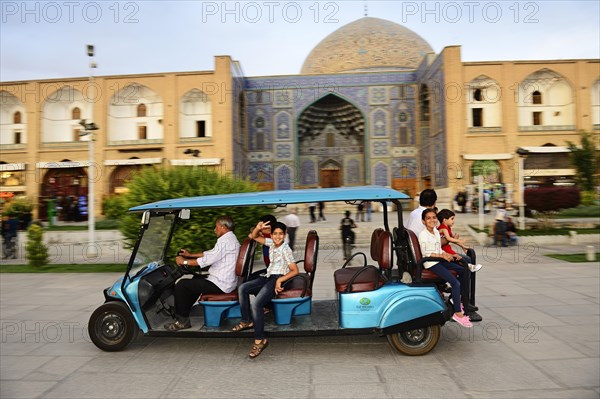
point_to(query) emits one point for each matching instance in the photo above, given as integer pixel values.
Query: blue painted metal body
(392, 304)
(131, 287)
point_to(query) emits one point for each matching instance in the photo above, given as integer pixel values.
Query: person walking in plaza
(292, 221)
(461, 200)
(511, 231)
(360, 212)
(312, 207)
(321, 208)
(10, 226)
(348, 236)
(369, 209)
(499, 229)
(266, 286)
(221, 275)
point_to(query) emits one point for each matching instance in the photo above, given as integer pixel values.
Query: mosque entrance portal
(331, 139)
(330, 174)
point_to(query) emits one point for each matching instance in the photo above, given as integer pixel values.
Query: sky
(47, 39)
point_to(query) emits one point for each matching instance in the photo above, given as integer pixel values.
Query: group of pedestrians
(312, 208)
(361, 208)
(504, 230)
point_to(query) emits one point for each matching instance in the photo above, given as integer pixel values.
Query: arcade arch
(331, 137)
(546, 102)
(596, 105)
(61, 113)
(13, 123)
(64, 190)
(135, 113)
(195, 115)
(484, 106)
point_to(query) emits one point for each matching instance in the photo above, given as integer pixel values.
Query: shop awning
(487, 157)
(196, 162)
(62, 165)
(12, 167)
(135, 161)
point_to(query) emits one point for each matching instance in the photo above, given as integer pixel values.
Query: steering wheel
(189, 270)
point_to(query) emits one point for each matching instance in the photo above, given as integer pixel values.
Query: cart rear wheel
(415, 342)
(112, 327)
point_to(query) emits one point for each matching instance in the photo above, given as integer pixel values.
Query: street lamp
(522, 153)
(89, 129)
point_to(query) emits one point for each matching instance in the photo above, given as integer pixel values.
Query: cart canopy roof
(276, 198)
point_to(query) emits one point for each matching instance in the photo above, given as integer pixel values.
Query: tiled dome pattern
(368, 44)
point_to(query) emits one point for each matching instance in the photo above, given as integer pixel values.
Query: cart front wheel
(415, 342)
(112, 327)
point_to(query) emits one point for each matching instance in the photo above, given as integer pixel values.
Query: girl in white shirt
(431, 247)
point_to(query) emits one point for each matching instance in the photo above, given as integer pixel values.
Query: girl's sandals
(258, 348)
(243, 325)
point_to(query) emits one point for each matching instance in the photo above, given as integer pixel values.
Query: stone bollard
(590, 254)
(573, 239)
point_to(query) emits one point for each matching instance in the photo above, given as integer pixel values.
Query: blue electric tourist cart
(371, 299)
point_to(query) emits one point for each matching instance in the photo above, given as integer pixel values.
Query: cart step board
(322, 321)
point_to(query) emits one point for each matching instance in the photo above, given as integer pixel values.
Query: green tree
(150, 185)
(18, 207)
(37, 251)
(585, 161)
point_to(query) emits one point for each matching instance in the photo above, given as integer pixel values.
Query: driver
(221, 278)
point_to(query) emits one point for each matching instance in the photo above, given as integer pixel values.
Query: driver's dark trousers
(187, 292)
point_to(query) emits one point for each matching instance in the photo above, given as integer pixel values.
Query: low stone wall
(573, 238)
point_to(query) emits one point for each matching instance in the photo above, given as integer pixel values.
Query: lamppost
(522, 153)
(89, 129)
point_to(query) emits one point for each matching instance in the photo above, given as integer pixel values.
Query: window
(259, 96)
(142, 132)
(259, 122)
(537, 118)
(76, 113)
(141, 110)
(17, 118)
(76, 136)
(477, 94)
(260, 141)
(17, 137)
(537, 97)
(403, 135)
(477, 117)
(200, 129)
(402, 117)
(330, 140)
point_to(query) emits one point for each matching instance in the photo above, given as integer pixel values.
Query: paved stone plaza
(539, 339)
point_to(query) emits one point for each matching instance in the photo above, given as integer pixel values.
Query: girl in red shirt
(446, 219)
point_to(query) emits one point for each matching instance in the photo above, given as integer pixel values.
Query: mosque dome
(368, 44)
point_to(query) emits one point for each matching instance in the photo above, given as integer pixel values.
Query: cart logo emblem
(365, 301)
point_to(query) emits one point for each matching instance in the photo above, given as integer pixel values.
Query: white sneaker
(474, 268)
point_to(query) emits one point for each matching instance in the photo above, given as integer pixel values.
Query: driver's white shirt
(415, 221)
(222, 259)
